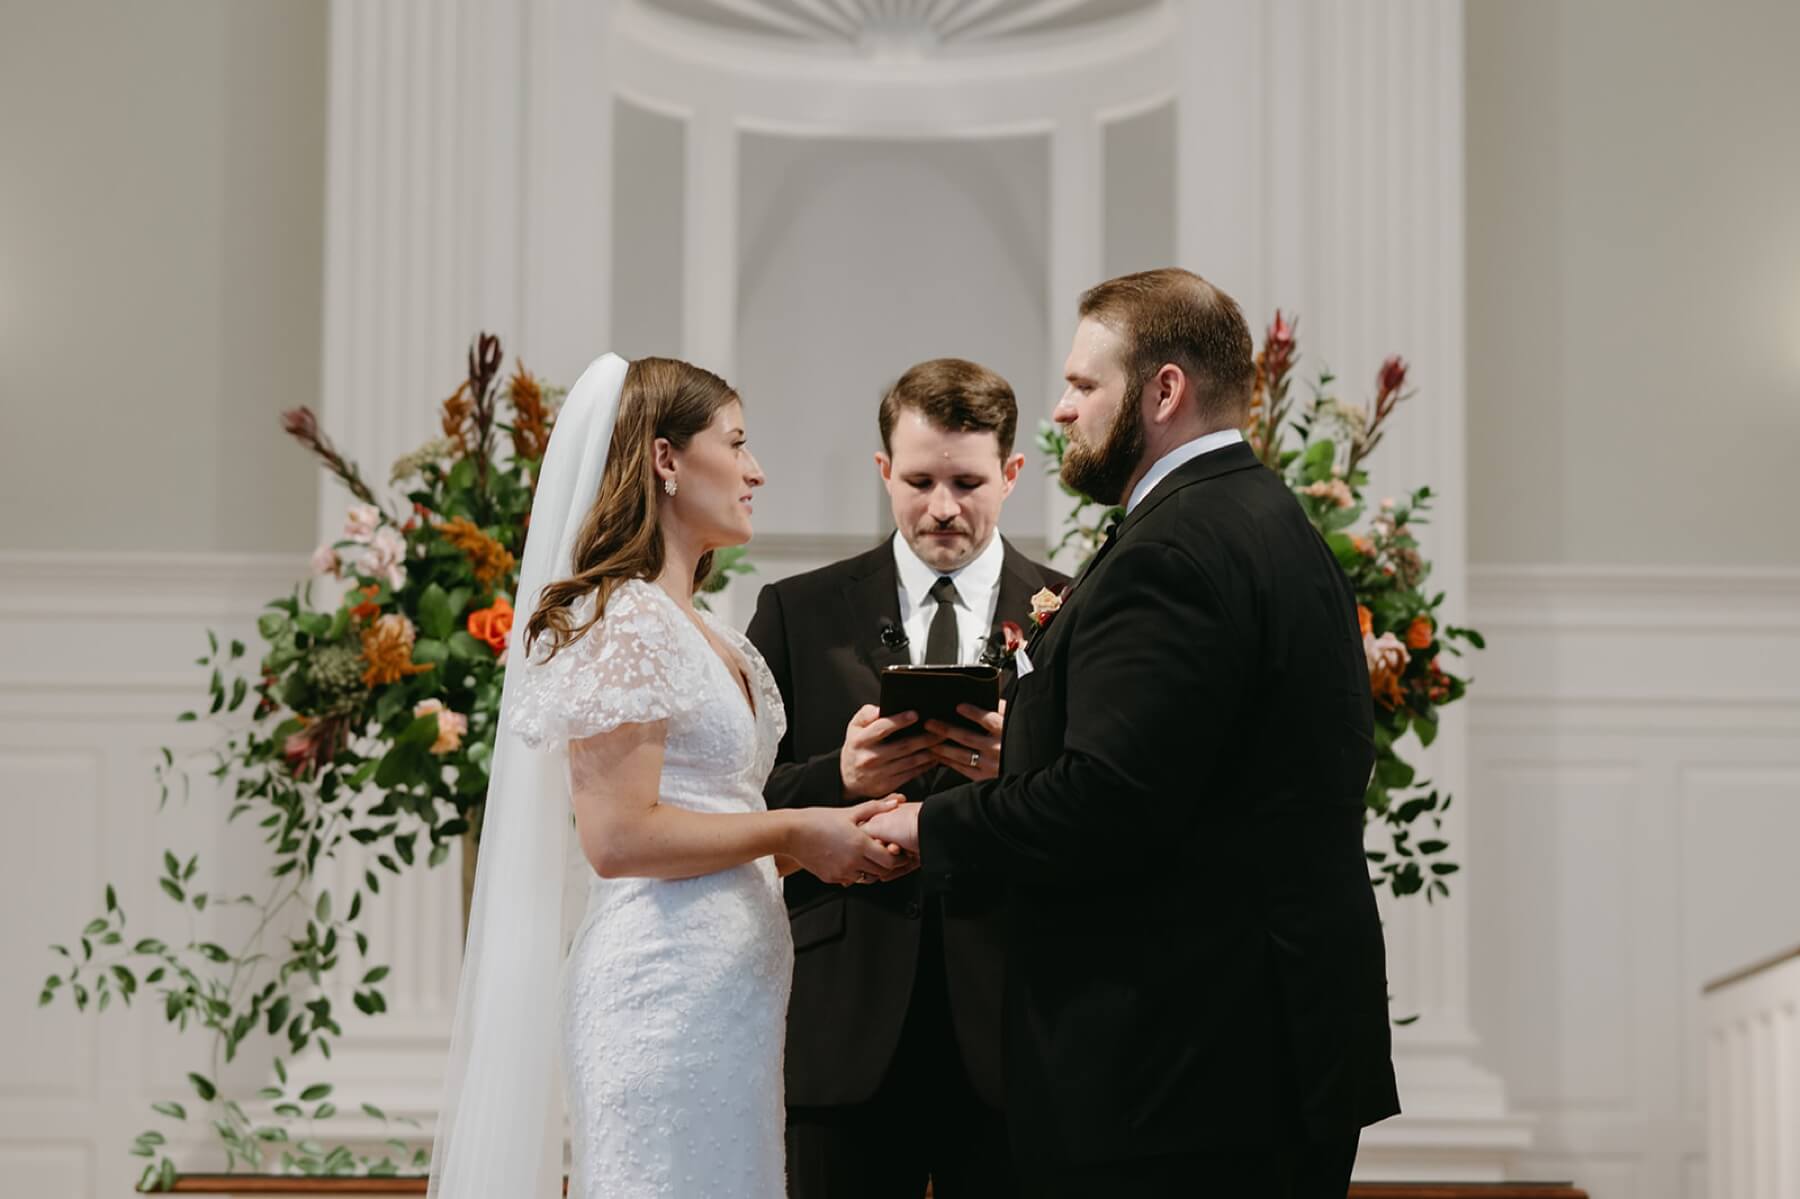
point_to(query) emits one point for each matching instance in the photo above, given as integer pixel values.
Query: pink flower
(386, 552)
(361, 521)
(325, 561)
(1335, 490)
(1385, 652)
(451, 725)
(1387, 505)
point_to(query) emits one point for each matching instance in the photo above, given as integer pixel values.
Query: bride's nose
(753, 472)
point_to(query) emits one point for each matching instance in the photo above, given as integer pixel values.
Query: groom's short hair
(1175, 316)
(956, 395)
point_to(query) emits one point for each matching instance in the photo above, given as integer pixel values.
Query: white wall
(160, 240)
(1634, 281)
(859, 260)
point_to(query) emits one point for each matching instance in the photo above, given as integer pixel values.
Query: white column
(567, 234)
(1321, 148)
(1077, 231)
(422, 237)
(709, 299)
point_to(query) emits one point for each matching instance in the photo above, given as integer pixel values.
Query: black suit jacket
(856, 949)
(1195, 962)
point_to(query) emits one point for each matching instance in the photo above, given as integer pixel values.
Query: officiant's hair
(1175, 316)
(620, 538)
(956, 395)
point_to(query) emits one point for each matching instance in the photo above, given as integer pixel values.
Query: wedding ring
(974, 757)
(863, 876)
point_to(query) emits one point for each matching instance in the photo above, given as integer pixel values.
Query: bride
(656, 725)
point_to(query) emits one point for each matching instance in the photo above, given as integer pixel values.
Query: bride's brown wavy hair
(621, 538)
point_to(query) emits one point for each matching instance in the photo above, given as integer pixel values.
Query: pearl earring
(669, 486)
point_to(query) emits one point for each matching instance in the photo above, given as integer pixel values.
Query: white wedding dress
(675, 993)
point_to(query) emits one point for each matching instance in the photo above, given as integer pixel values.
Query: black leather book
(935, 691)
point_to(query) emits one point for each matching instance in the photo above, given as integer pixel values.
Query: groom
(1196, 989)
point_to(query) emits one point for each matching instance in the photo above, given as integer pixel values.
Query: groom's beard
(1100, 471)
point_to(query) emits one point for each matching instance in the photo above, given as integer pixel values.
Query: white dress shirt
(1186, 452)
(977, 589)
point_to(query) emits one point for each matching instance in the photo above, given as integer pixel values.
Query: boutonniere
(893, 637)
(1046, 604)
(1006, 641)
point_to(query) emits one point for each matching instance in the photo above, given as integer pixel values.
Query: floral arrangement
(374, 704)
(1318, 448)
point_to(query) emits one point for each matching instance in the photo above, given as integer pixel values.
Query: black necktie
(942, 645)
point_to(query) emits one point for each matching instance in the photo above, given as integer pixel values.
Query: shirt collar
(1184, 453)
(980, 575)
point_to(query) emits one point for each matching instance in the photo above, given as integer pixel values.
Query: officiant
(895, 1012)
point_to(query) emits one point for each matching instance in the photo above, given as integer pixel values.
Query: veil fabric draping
(500, 1126)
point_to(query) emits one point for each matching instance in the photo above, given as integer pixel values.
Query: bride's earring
(669, 486)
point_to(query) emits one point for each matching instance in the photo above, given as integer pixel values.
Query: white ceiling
(871, 23)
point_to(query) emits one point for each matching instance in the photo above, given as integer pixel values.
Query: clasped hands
(878, 840)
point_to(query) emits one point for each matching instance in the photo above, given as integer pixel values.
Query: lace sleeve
(631, 668)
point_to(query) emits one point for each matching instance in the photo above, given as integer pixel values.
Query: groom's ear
(885, 465)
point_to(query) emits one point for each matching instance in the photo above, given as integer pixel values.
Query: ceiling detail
(876, 26)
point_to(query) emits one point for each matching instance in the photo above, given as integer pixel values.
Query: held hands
(837, 845)
(897, 825)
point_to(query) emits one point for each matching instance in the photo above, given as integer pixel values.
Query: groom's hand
(897, 827)
(876, 761)
(972, 753)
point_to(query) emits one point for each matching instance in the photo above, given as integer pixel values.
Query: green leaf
(173, 1111)
(204, 1087)
(173, 890)
(1444, 867)
(430, 650)
(467, 648)
(1431, 847)
(171, 866)
(317, 1091)
(1393, 773)
(436, 620)
(94, 928)
(322, 910)
(440, 853)
(375, 976)
(112, 899)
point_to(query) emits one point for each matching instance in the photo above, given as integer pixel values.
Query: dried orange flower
(388, 649)
(531, 421)
(457, 410)
(1419, 633)
(491, 560)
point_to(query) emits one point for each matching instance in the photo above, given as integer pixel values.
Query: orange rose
(1419, 633)
(368, 608)
(1365, 620)
(493, 625)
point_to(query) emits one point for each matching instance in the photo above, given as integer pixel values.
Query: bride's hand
(832, 844)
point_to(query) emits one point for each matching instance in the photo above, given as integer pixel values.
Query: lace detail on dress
(631, 668)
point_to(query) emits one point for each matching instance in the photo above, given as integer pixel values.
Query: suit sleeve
(1157, 668)
(808, 783)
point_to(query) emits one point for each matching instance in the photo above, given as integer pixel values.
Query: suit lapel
(1223, 461)
(873, 602)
